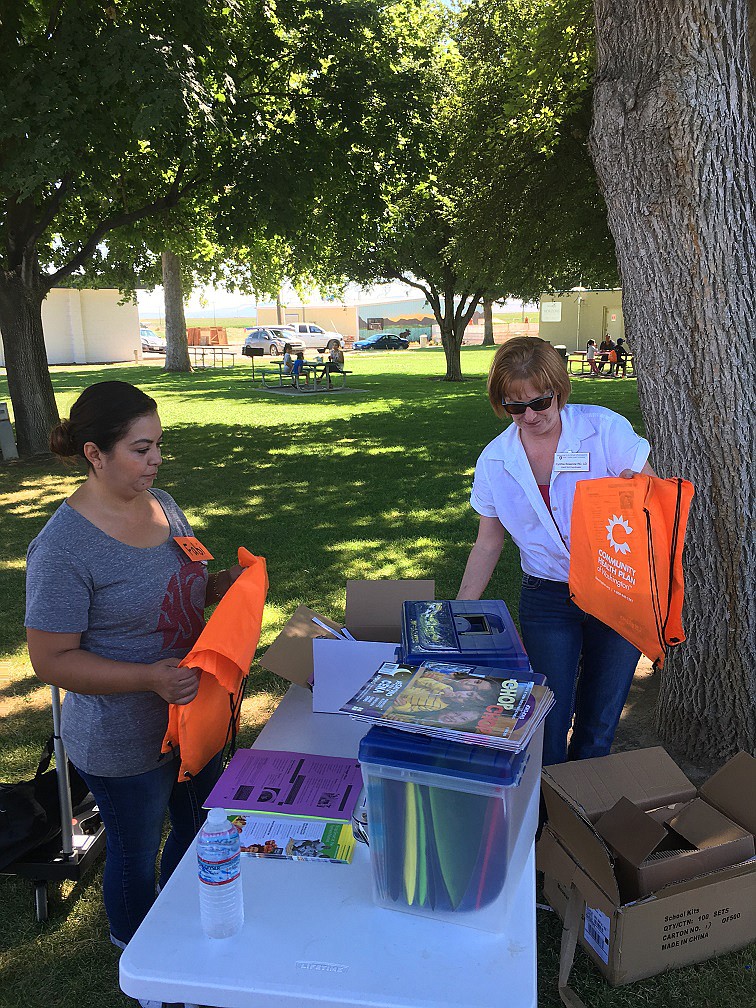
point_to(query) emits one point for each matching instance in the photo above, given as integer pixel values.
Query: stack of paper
(460, 703)
(290, 805)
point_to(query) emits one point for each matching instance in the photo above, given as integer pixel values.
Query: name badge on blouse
(572, 462)
(192, 547)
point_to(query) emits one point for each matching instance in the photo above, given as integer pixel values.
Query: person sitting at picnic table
(605, 348)
(288, 360)
(297, 371)
(622, 355)
(335, 360)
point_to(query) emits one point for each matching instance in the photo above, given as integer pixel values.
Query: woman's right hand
(175, 685)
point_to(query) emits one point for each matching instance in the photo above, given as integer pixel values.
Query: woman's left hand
(645, 471)
(219, 582)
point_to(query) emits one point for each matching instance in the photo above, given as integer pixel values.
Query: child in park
(297, 369)
(590, 353)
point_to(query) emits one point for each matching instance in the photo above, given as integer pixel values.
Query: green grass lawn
(371, 483)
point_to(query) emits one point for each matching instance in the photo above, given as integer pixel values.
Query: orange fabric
(626, 542)
(224, 652)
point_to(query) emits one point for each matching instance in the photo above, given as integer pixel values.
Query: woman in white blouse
(524, 485)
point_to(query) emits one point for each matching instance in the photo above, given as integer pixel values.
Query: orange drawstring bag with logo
(224, 652)
(626, 542)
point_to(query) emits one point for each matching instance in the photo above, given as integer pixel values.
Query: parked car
(314, 336)
(151, 342)
(271, 340)
(382, 341)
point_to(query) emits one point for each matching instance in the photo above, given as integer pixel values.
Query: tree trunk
(29, 384)
(488, 333)
(451, 342)
(674, 147)
(176, 352)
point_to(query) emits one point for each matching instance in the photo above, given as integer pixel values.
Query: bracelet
(212, 594)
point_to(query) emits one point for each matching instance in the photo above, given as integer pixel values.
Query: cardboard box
(673, 844)
(681, 922)
(373, 613)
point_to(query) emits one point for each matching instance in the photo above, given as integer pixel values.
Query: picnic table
(212, 354)
(577, 362)
(314, 377)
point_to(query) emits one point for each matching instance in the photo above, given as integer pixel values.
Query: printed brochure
(289, 783)
(293, 839)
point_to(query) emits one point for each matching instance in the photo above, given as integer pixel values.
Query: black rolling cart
(74, 848)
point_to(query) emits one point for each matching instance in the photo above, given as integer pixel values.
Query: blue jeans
(588, 665)
(133, 810)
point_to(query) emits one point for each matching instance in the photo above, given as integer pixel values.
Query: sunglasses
(537, 405)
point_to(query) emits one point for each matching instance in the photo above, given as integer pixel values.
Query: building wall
(88, 327)
(338, 318)
(600, 311)
(414, 314)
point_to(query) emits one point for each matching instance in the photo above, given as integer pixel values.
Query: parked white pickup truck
(315, 336)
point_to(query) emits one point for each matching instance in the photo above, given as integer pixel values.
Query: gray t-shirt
(128, 604)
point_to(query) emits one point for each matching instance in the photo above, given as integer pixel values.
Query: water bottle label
(219, 862)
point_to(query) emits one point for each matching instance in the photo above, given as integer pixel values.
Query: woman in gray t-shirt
(112, 605)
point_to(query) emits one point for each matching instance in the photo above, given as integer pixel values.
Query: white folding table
(313, 938)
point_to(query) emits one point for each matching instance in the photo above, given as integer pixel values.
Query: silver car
(270, 341)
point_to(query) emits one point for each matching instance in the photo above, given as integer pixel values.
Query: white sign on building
(551, 311)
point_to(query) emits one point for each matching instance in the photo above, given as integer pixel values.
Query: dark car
(382, 341)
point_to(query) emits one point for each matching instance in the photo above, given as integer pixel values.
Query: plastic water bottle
(219, 869)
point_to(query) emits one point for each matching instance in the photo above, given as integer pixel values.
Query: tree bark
(177, 351)
(674, 147)
(29, 384)
(488, 333)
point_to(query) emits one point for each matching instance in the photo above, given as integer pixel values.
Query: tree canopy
(129, 128)
(493, 192)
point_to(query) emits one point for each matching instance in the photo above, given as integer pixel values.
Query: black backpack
(30, 810)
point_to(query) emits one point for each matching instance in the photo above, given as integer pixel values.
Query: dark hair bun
(61, 442)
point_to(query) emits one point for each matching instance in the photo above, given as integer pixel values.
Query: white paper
(597, 931)
(341, 667)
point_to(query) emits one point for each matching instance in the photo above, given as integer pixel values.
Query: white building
(88, 327)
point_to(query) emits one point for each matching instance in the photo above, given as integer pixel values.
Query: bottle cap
(217, 818)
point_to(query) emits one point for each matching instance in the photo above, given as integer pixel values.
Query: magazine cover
(292, 839)
(465, 703)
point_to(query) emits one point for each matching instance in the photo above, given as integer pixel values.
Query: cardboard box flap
(557, 864)
(714, 877)
(704, 826)
(630, 832)
(374, 608)
(647, 777)
(553, 860)
(732, 790)
(290, 654)
(574, 830)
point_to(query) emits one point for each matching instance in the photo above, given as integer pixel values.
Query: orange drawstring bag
(626, 542)
(224, 652)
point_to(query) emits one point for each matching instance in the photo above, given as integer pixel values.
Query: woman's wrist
(214, 593)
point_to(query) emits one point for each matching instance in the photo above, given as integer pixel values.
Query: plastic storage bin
(450, 825)
(481, 633)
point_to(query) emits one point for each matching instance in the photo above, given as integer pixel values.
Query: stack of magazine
(460, 703)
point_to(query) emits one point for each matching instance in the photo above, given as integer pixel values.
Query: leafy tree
(674, 145)
(532, 202)
(110, 115)
(473, 206)
(133, 128)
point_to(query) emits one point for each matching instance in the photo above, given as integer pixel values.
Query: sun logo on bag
(617, 531)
